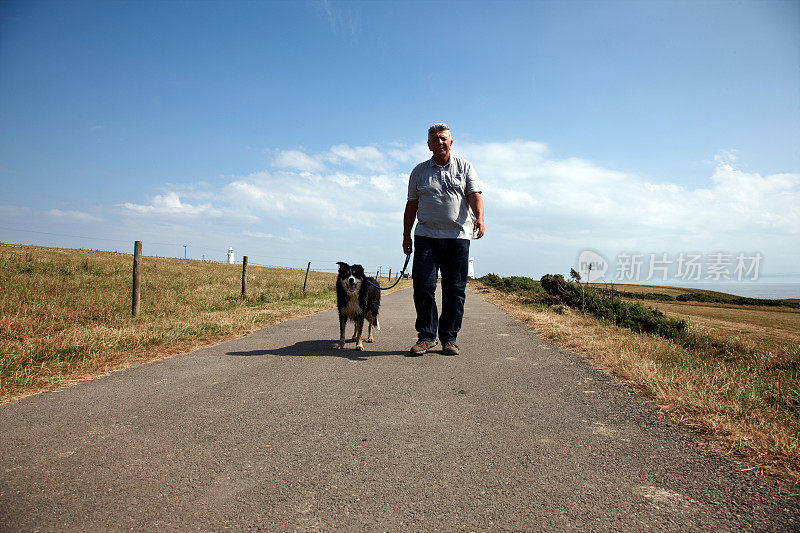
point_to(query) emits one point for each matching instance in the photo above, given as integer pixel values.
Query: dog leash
(402, 273)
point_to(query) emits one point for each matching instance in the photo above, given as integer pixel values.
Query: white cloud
(71, 215)
(388, 183)
(170, 204)
(260, 235)
(361, 155)
(348, 181)
(290, 235)
(16, 212)
(344, 158)
(513, 160)
(341, 198)
(13, 210)
(727, 156)
(249, 193)
(297, 160)
(407, 155)
(540, 211)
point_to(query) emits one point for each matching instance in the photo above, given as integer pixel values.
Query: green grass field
(65, 315)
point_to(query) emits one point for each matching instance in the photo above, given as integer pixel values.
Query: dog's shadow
(320, 348)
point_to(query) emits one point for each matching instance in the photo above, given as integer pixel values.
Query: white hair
(436, 128)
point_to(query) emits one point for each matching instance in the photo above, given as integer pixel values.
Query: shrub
(633, 316)
(518, 284)
(695, 297)
(645, 296)
(553, 289)
(493, 280)
(521, 283)
(554, 285)
(706, 298)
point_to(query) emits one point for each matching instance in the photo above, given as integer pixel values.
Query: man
(444, 197)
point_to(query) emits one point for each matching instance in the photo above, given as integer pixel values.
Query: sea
(766, 290)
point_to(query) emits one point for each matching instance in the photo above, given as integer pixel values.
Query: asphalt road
(279, 431)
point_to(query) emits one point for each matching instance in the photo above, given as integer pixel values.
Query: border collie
(357, 300)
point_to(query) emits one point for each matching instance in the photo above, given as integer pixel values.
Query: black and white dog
(357, 300)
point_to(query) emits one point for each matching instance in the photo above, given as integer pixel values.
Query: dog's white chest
(352, 308)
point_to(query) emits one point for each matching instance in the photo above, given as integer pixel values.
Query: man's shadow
(321, 348)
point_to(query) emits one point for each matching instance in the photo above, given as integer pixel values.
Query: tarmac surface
(280, 431)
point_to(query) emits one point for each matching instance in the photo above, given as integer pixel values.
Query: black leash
(402, 273)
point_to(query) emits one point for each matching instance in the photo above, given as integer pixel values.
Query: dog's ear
(359, 269)
(342, 265)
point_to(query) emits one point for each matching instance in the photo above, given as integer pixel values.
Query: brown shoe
(422, 347)
(449, 348)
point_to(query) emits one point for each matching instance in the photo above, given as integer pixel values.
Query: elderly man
(444, 197)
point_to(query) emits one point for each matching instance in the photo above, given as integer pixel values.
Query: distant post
(390, 275)
(583, 300)
(244, 276)
(306, 280)
(137, 267)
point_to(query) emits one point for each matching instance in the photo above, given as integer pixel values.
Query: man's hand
(476, 204)
(407, 246)
(409, 216)
(479, 228)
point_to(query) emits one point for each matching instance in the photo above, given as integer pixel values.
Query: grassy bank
(65, 315)
(734, 376)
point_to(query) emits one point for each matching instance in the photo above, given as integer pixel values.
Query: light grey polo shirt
(443, 210)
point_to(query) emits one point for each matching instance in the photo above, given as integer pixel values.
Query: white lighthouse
(230, 256)
(471, 271)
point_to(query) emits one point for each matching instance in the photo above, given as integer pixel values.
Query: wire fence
(214, 254)
(229, 259)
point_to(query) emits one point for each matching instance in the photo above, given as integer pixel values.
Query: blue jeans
(451, 257)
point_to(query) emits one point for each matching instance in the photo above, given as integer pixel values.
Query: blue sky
(287, 129)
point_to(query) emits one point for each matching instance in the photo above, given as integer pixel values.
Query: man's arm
(408, 223)
(476, 204)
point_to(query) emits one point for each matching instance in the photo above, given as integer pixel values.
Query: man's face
(440, 143)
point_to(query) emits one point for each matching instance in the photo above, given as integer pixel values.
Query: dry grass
(746, 400)
(769, 328)
(65, 315)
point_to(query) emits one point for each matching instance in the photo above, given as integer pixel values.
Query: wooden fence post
(390, 274)
(306, 280)
(137, 267)
(583, 301)
(244, 276)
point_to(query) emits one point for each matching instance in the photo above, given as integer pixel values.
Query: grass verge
(741, 394)
(65, 315)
